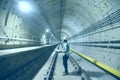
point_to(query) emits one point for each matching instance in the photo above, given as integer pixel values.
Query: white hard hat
(65, 38)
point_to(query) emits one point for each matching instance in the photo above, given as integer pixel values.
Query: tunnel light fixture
(47, 30)
(24, 6)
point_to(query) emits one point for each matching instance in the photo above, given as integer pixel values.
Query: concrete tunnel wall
(21, 29)
(101, 40)
(24, 65)
(92, 26)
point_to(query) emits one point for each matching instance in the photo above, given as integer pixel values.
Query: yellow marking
(100, 64)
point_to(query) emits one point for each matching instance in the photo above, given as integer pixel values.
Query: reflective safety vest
(65, 48)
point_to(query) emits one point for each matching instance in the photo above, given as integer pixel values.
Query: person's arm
(63, 50)
(58, 50)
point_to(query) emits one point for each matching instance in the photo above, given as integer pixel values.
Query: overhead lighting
(24, 6)
(47, 30)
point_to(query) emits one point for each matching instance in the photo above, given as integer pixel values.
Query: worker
(65, 50)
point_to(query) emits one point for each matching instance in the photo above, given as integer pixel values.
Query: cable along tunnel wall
(101, 41)
(24, 65)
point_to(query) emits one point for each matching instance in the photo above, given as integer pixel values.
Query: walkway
(60, 69)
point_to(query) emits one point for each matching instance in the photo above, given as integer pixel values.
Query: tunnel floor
(60, 69)
(92, 72)
(58, 75)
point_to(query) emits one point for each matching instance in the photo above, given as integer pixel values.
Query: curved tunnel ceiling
(92, 26)
(69, 17)
(63, 17)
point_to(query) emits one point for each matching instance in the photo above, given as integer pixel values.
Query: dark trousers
(65, 59)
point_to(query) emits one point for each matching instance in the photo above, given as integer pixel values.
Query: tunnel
(32, 32)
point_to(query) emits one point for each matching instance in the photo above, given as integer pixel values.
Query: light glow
(24, 6)
(47, 30)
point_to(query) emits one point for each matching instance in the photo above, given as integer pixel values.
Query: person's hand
(59, 51)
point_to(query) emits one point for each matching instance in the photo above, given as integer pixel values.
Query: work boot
(65, 73)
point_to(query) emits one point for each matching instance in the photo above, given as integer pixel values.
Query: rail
(75, 64)
(50, 72)
(80, 71)
(103, 66)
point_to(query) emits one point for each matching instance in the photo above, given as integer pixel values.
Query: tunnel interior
(91, 26)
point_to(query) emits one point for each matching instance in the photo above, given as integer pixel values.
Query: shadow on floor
(82, 76)
(75, 73)
(95, 73)
(88, 74)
